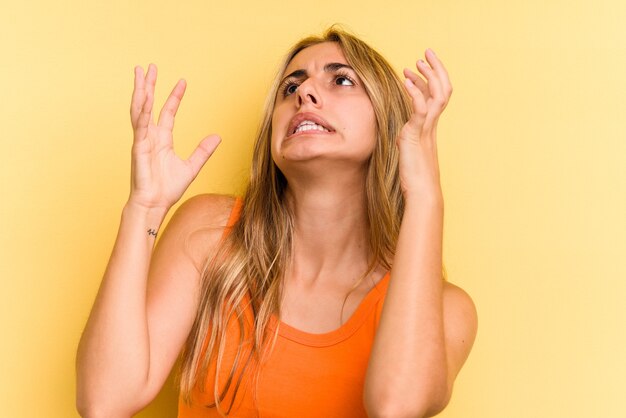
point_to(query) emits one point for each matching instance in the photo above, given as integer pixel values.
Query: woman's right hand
(158, 176)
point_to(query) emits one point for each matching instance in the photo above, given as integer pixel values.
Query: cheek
(280, 121)
(274, 138)
(372, 122)
(366, 122)
(274, 148)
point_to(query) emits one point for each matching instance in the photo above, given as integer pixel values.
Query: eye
(289, 87)
(344, 80)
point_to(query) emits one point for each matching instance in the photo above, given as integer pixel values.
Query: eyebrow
(329, 68)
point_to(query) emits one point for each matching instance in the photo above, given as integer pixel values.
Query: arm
(136, 327)
(427, 327)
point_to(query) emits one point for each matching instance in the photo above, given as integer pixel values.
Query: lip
(300, 117)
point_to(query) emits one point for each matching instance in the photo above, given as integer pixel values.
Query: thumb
(202, 153)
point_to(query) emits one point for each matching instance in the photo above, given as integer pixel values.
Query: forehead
(316, 56)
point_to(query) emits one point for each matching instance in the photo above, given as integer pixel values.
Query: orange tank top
(306, 375)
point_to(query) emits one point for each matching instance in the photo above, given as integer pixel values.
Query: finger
(420, 109)
(417, 98)
(434, 84)
(145, 117)
(441, 71)
(419, 83)
(138, 97)
(151, 77)
(202, 153)
(168, 113)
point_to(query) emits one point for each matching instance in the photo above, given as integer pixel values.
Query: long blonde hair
(253, 257)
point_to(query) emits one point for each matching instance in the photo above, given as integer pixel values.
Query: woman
(276, 299)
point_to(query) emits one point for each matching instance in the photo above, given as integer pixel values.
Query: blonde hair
(253, 257)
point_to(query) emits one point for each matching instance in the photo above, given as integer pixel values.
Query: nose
(307, 93)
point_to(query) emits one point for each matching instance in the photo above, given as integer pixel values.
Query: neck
(331, 230)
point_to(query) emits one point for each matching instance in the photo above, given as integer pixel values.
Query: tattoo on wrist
(152, 232)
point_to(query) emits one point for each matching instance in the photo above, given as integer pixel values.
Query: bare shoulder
(459, 309)
(461, 325)
(199, 223)
(205, 210)
(175, 276)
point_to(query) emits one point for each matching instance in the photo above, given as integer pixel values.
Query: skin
(427, 326)
(326, 174)
(338, 97)
(143, 311)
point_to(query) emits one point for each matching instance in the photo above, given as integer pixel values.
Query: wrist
(152, 218)
(423, 212)
(432, 200)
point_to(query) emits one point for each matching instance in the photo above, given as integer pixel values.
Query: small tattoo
(152, 232)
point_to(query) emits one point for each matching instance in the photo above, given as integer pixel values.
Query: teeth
(307, 125)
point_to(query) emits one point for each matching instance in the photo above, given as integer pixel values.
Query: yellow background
(532, 151)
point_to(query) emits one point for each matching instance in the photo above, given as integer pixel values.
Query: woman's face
(322, 111)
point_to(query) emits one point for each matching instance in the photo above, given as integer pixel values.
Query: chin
(318, 153)
(303, 149)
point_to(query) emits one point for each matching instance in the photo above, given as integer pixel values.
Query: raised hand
(417, 142)
(158, 176)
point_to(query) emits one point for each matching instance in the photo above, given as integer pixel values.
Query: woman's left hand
(417, 141)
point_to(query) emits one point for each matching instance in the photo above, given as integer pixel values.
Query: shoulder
(205, 209)
(199, 223)
(459, 311)
(460, 325)
(458, 299)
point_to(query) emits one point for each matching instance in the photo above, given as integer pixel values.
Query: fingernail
(431, 51)
(420, 61)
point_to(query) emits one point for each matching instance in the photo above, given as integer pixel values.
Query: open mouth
(308, 122)
(308, 125)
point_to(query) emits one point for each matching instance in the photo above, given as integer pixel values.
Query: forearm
(407, 370)
(114, 352)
